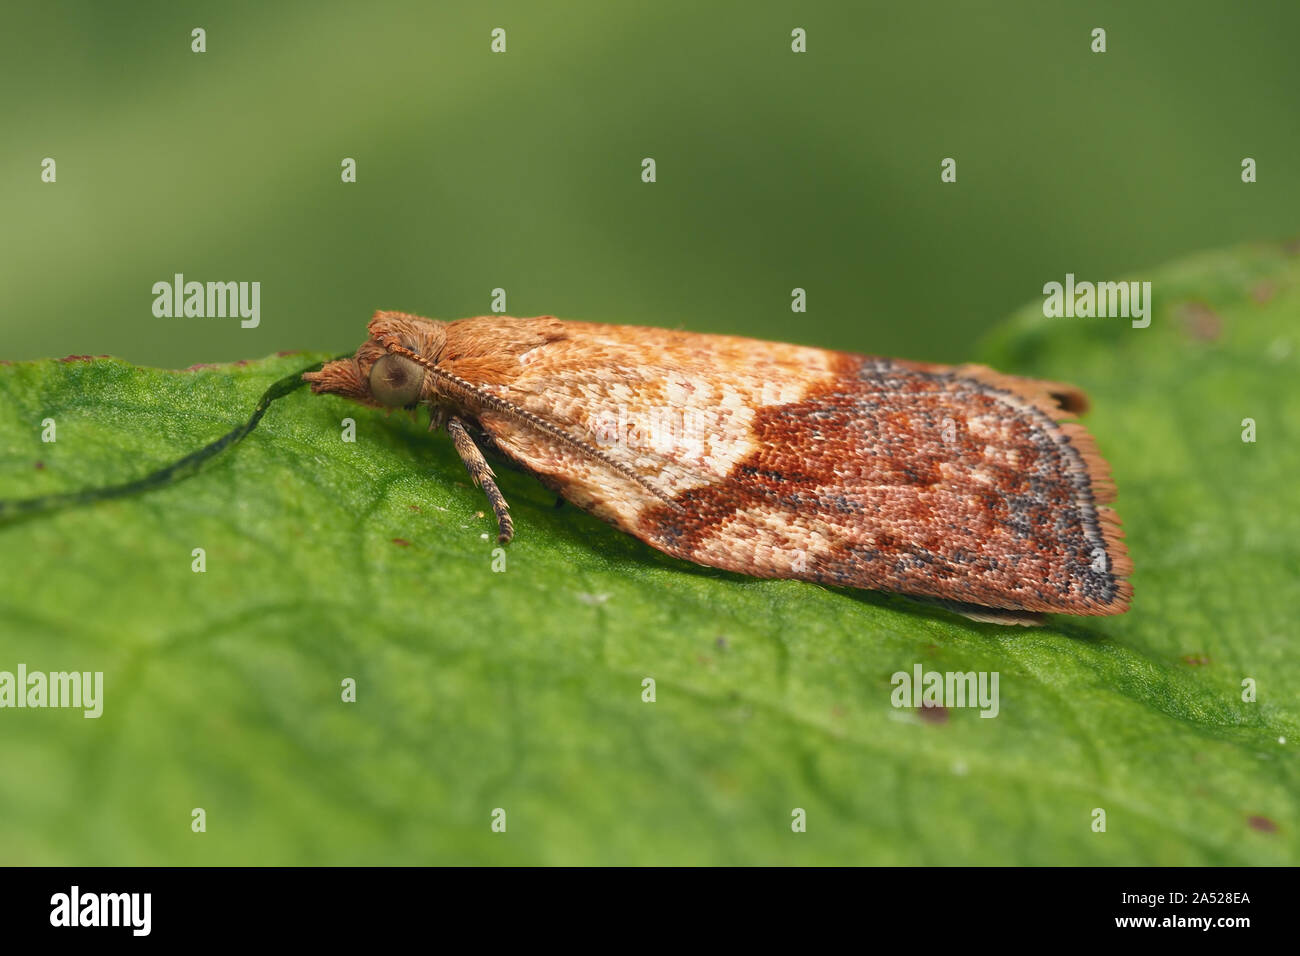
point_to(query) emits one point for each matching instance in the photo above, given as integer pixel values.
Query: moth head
(379, 376)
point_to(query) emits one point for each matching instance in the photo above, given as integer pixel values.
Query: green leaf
(522, 690)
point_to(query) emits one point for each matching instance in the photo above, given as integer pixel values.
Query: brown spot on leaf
(1196, 660)
(401, 542)
(1262, 824)
(40, 466)
(288, 352)
(933, 713)
(1200, 322)
(414, 507)
(1261, 292)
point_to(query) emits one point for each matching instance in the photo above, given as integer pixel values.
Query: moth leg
(495, 455)
(481, 472)
(985, 615)
(437, 418)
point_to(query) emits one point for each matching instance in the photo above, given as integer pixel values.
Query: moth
(952, 484)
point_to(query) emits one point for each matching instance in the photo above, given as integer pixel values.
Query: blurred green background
(522, 170)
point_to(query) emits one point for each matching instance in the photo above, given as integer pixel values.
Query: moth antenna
(498, 404)
(191, 464)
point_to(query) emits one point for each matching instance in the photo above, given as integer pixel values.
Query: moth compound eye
(395, 381)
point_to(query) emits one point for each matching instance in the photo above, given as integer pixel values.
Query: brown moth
(954, 484)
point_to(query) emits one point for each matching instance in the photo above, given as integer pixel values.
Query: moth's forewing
(780, 461)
